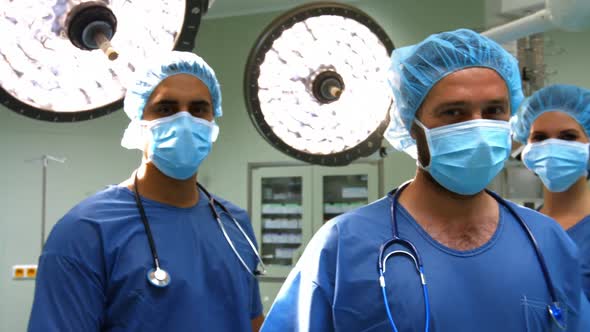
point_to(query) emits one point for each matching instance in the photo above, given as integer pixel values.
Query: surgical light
(52, 55)
(316, 83)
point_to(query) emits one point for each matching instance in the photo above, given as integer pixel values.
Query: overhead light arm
(569, 15)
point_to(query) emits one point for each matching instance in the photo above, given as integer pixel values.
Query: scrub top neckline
(202, 200)
(467, 253)
(579, 224)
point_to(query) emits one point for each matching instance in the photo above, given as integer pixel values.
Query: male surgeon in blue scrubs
(93, 272)
(466, 262)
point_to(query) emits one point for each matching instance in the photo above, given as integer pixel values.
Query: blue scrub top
(92, 272)
(497, 287)
(580, 233)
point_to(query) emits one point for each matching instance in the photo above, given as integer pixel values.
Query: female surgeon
(554, 123)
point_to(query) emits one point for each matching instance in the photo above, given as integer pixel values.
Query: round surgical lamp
(68, 60)
(568, 15)
(316, 84)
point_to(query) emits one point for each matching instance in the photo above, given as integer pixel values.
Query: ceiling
(228, 8)
(496, 11)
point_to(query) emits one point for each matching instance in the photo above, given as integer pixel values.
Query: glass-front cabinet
(278, 215)
(288, 204)
(339, 190)
(281, 217)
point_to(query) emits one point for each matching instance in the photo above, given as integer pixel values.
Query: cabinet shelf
(282, 201)
(283, 244)
(278, 261)
(281, 230)
(362, 200)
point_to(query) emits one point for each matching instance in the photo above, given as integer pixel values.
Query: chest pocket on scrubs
(537, 317)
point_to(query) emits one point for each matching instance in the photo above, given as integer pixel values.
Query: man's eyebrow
(450, 104)
(460, 103)
(570, 131)
(201, 102)
(166, 102)
(497, 101)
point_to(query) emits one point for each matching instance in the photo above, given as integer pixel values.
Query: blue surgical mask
(558, 163)
(466, 156)
(179, 143)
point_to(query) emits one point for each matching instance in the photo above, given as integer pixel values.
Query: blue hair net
(417, 68)
(570, 99)
(155, 72)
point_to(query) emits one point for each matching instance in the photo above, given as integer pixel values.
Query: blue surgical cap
(417, 68)
(570, 99)
(147, 79)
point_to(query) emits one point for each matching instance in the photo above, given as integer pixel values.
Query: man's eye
(164, 110)
(200, 111)
(451, 112)
(538, 138)
(496, 110)
(568, 137)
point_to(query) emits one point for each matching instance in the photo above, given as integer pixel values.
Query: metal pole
(45, 159)
(44, 162)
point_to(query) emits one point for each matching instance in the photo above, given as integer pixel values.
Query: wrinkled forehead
(469, 86)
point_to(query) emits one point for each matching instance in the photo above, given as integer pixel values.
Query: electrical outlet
(24, 272)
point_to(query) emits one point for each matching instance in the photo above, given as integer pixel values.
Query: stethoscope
(554, 308)
(159, 277)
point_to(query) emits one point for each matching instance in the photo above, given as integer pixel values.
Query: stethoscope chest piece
(557, 315)
(158, 277)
